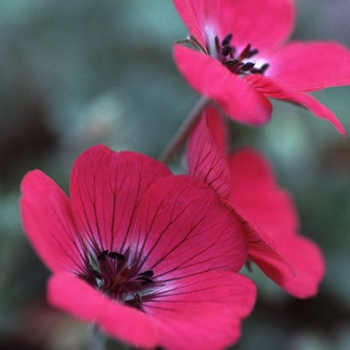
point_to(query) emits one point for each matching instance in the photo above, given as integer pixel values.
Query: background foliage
(76, 73)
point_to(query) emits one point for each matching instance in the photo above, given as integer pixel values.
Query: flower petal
(209, 77)
(217, 126)
(183, 229)
(255, 189)
(282, 92)
(74, 295)
(106, 188)
(47, 220)
(292, 261)
(203, 311)
(206, 159)
(311, 66)
(305, 258)
(263, 24)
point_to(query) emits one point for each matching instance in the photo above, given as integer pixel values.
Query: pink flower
(243, 58)
(149, 257)
(245, 181)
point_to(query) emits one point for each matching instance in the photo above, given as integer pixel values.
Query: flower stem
(184, 131)
(97, 339)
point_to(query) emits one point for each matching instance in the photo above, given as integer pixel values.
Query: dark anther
(227, 39)
(231, 62)
(102, 256)
(264, 68)
(217, 44)
(115, 255)
(252, 53)
(261, 70)
(226, 50)
(247, 66)
(147, 274)
(146, 280)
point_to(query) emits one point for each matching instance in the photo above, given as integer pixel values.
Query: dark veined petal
(206, 159)
(292, 261)
(200, 312)
(72, 294)
(280, 91)
(241, 101)
(204, 311)
(217, 125)
(47, 220)
(183, 229)
(311, 66)
(106, 188)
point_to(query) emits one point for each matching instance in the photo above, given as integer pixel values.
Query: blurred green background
(76, 73)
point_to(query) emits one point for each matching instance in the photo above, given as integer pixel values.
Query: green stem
(97, 339)
(184, 131)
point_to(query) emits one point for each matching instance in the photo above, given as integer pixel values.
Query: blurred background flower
(76, 73)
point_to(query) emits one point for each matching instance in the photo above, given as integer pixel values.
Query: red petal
(293, 262)
(128, 324)
(209, 77)
(206, 159)
(311, 66)
(255, 189)
(106, 188)
(305, 258)
(183, 229)
(282, 92)
(248, 20)
(47, 220)
(263, 24)
(218, 128)
(203, 311)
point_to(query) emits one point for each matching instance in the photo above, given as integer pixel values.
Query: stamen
(115, 255)
(264, 68)
(217, 44)
(227, 39)
(231, 62)
(147, 281)
(119, 276)
(226, 50)
(247, 66)
(148, 273)
(261, 70)
(244, 54)
(102, 256)
(252, 53)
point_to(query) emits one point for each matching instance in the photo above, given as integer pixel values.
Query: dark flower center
(237, 62)
(116, 275)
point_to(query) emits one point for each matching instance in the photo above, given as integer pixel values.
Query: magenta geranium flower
(243, 57)
(246, 183)
(149, 257)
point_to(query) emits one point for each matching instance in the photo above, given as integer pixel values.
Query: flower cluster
(153, 258)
